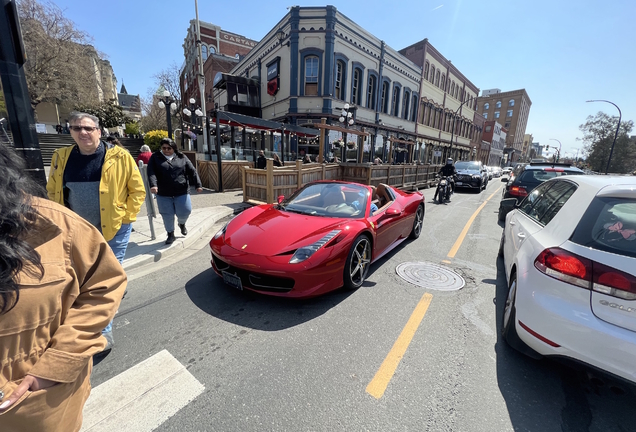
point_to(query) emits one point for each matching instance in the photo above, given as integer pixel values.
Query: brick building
(221, 51)
(495, 135)
(511, 109)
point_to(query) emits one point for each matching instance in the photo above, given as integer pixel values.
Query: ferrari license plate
(232, 280)
(458, 183)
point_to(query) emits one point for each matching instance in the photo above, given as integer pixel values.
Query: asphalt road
(274, 364)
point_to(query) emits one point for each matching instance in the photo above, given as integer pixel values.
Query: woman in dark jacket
(170, 174)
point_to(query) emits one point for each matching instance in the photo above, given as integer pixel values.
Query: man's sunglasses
(89, 129)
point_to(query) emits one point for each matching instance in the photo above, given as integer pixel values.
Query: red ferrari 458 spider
(324, 236)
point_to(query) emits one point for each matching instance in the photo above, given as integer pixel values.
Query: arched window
(453, 89)
(405, 104)
(437, 78)
(457, 91)
(414, 99)
(311, 76)
(371, 90)
(340, 71)
(384, 102)
(212, 50)
(356, 96)
(204, 52)
(395, 107)
(498, 104)
(443, 81)
(432, 77)
(511, 103)
(486, 106)
(426, 71)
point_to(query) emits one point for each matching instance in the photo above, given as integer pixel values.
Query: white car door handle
(512, 222)
(521, 235)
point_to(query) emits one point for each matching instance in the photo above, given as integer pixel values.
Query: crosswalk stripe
(142, 397)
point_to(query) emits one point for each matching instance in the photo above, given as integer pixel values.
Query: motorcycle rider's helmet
(449, 161)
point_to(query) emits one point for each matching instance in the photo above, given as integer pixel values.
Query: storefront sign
(239, 40)
(273, 76)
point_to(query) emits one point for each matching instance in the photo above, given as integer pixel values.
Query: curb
(194, 234)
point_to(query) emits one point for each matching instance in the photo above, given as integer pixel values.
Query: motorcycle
(444, 189)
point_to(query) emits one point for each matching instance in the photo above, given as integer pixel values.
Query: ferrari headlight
(305, 252)
(221, 232)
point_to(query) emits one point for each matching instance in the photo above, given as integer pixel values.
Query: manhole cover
(431, 276)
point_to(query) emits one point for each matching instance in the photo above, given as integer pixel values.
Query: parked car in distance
(326, 235)
(489, 171)
(496, 171)
(569, 253)
(529, 177)
(506, 170)
(471, 174)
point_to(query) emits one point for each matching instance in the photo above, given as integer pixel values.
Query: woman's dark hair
(113, 140)
(171, 144)
(16, 218)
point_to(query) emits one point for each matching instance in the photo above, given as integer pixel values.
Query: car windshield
(467, 166)
(609, 224)
(340, 200)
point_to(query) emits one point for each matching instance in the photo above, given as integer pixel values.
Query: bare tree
(153, 116)
(61, 64)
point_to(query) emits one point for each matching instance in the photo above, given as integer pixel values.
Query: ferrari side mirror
(281, 198)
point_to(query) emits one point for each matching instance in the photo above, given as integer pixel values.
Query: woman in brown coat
(60, 285)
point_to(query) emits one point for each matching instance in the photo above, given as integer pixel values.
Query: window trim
(395, 101)
(358, 67)
(309, 52)
(384, 102)
(339, 57)
(374, 96)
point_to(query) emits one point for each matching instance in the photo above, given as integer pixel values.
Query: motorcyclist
(448, 170)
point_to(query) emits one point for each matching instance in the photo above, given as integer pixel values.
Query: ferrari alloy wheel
(418, 222)
(358, 262)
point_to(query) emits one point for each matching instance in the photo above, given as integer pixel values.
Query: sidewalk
(208, 207)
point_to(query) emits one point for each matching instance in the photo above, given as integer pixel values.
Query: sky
(563, 52)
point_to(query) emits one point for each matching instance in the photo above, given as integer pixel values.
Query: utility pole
(201, 76)
(21, 120)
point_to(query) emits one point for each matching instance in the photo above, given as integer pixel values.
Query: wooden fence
(232, 178)
(264, 186)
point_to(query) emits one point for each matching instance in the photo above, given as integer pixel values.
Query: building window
(384, 102)
(355, 87)
(371, 92)
(452, 88)
(511, 103)
(509, 113)
(204, 52)
(340, 70)
(432, 77)
(443, 82)
(456, 91)
(485, 115)
(498, 104)
(496, 114)
(486, 106)
(311, 76)
(426, 71)
(405, 104)
(212, 50)
(507, 125)
(488, 128)
(395, 107)
(437, 78)
(414, 108)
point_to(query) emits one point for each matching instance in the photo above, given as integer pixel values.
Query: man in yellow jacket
(100, 182)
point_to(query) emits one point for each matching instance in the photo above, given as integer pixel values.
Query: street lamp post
(620, 116)
(346, 118)
(558, 155)
(169, 103)
(196, 109)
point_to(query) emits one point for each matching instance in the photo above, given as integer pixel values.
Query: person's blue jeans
(118, 245)
(181, 206)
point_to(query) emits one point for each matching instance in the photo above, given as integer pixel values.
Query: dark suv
(471, 174)
(529, 177)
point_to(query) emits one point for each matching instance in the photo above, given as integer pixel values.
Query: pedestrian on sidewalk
(100, 182)
(170, 174)
(60, 285)
(277, 161)
(144, 155)
(261, 162)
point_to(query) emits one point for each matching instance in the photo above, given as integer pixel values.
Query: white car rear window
(609, 224)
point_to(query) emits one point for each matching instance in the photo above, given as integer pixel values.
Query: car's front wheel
(418, 222)
(358, 263)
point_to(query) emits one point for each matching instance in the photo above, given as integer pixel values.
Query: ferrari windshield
(340, 200)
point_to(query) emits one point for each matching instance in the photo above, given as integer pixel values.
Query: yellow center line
(380, 381)
(462, 235)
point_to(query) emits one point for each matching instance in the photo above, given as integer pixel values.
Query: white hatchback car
(569, 251)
